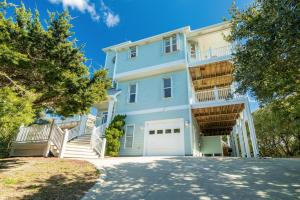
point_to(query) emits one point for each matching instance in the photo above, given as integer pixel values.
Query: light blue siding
(109, 63)
(139, 123)
(148, 55)
(150, 92)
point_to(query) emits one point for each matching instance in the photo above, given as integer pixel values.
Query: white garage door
(164, 137)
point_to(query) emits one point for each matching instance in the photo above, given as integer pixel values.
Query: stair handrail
(74, 132)
(98, 142)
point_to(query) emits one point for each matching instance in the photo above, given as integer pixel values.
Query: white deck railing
(34, 133)
(215, 94)
(212, 53)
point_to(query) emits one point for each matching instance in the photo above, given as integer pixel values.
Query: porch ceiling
(217, 120)
(214, 74)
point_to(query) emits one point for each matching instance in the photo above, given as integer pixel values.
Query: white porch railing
(215, 94)
(98, 141)
(211, 54)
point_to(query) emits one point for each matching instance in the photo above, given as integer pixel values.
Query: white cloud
(110, 18)
(81, 5)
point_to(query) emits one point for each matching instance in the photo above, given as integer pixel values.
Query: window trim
(169, 38)
(125, 136)
(136, 52)
(136, 92)
(163, 87)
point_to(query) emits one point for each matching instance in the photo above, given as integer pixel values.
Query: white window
(167, 87)
(129, 133)
(193, 50)
(171, 44)
(132, 52)
(104, 117)
(132, 93)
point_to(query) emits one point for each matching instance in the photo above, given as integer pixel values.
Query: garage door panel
(164, 137)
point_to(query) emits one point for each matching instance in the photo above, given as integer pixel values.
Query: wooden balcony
(211, 55)
(216, 94)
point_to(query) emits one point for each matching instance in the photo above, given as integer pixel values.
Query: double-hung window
(132, 93)
(167, 87)
(133, 52)
(171, 44)
(129, 133)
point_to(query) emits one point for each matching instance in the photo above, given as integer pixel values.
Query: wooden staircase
(80, 147)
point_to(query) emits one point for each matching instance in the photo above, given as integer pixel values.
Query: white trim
(136, 52)
(151, 70)
(128, 93)
(163, 87)
(155, 110)
(132, 136)
(148, 39)
(115, 66)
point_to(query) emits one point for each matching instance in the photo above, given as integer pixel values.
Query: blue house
(178, 93)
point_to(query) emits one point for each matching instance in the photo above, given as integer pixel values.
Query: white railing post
(103, 146)
(63, 146)
(216, 93)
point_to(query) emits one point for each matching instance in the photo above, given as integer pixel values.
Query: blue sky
(101, 23)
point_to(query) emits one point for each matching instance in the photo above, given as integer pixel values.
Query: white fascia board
(146, 40)
(156, 110)
(152, 70)
(209, 29)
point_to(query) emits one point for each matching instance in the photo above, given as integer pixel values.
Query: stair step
(80, 141)
(79, 154)
(90, 152)
(76, 156)
(77, 146)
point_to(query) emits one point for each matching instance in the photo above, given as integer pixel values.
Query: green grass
(45, 178)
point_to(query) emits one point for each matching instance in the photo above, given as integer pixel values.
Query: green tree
(15, 109)
(113, 135)
(277, 134)
(47, 61)
(267, 41)
(42, 68)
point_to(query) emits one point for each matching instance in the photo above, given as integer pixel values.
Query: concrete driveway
(196, 178)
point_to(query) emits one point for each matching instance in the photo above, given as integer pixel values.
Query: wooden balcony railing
(215, 94)
(211, 54)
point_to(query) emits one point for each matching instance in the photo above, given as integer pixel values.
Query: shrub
(113, 135)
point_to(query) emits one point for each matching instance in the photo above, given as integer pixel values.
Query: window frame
(130, 52)
(163, 87)
(171, 44)
(129, 92)
(125, 136)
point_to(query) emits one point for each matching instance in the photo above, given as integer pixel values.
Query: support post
(64, 142)
(241, 140)
(252, 130)
(46, 152)
(110, 112)
(103, 147)
(236, 142)
(245, 135)
(216, 93)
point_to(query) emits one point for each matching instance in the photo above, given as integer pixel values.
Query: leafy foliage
(268, 47)
(48, 62)
(42, 68)
(266, 63)
(277, 131)
(14, 111)
(113, 135)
